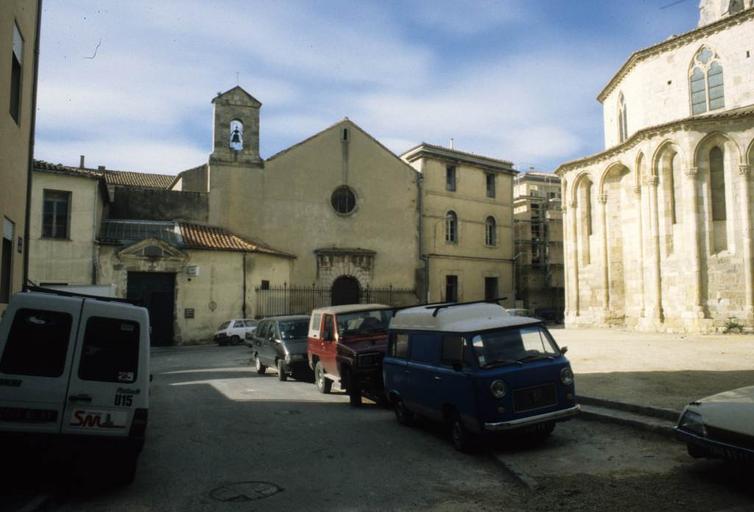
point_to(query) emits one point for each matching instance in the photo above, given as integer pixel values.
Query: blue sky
(512, 79)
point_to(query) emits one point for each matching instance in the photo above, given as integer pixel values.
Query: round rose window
(343, 200)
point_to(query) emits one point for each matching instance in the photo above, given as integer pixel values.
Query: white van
(75, 370)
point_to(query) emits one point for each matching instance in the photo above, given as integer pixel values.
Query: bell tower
(236, 129)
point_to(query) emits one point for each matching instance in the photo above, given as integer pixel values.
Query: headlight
(498, 388)
(566, 376)
(693, 422)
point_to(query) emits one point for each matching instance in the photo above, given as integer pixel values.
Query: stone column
(605, 273)
(640, 227)
(745, 172)
(654, 226)
(573, 259)
(566, 263)
(694, 239)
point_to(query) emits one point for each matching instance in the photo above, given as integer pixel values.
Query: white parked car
(233, 332)
(720, 426)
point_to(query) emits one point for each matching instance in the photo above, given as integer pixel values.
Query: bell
(235, 138)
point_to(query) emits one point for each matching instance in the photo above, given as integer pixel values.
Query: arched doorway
(345, 290)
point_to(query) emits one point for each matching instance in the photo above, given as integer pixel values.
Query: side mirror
(563, 350)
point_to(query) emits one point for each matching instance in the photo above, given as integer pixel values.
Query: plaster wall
(215, 295)
(287, 204)
(75, 257)
(15, 136)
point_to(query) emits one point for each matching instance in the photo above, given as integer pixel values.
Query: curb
(643, 410)
(659, 426)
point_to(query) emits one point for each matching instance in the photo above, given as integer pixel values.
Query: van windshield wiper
(535, 357)
(502, 362)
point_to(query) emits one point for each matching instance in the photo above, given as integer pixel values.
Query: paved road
(222, 437)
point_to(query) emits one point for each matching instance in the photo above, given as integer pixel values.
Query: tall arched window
(735, 6)
(490, 231)
(706, 85)
(451, 227)
(717, 183)
(622, 119)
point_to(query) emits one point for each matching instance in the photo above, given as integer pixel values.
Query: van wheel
(354, 390)
(258, 365)
(403, 415)
(235, 340)
(282, 372)
(462, 439)
(324, 385)
(696, 451)
(125, 467)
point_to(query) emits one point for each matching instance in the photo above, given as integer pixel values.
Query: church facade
(658, 226)
(335, 219)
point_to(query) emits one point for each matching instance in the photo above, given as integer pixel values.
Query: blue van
(478, 369)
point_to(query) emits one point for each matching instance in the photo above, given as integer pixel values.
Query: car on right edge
(720, 426)
(478, 369)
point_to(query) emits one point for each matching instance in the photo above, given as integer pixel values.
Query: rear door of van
(110, 375)
(37, 338)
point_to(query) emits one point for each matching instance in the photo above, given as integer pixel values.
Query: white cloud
(467, 17)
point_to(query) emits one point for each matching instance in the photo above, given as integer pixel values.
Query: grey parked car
(280, 342)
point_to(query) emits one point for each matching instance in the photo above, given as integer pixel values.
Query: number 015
(124, 400)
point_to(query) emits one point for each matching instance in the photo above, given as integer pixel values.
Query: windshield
(515, 345)
(290, 329)
(364, 322)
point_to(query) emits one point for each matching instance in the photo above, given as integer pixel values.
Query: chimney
(81, 162)
(452, 143)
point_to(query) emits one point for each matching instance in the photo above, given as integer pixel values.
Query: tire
(354, 390)
(235, 340)
(696, 451)
(324, 385)
(259, 366)
(462, 439)
(125, 469)
(403, 415)
(282, 371)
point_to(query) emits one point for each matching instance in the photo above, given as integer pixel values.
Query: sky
(129, 84)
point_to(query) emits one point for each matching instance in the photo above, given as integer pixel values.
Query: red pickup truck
(346, 344)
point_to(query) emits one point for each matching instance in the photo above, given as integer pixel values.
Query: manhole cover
(244, 491)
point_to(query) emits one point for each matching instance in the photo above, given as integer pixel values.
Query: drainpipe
(32, 130)
(244, 282)
(420, 204)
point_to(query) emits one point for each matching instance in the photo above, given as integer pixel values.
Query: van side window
(110, 352)
(314, 326)
(37, 343)
(449, 352)
(262, 329)
(399, 345)
(425, 348)
(328, 333)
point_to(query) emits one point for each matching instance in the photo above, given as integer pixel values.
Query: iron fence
(300, 300)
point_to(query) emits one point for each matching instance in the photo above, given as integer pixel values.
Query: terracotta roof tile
(112, 177)
(138, 179)
(198, 236)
